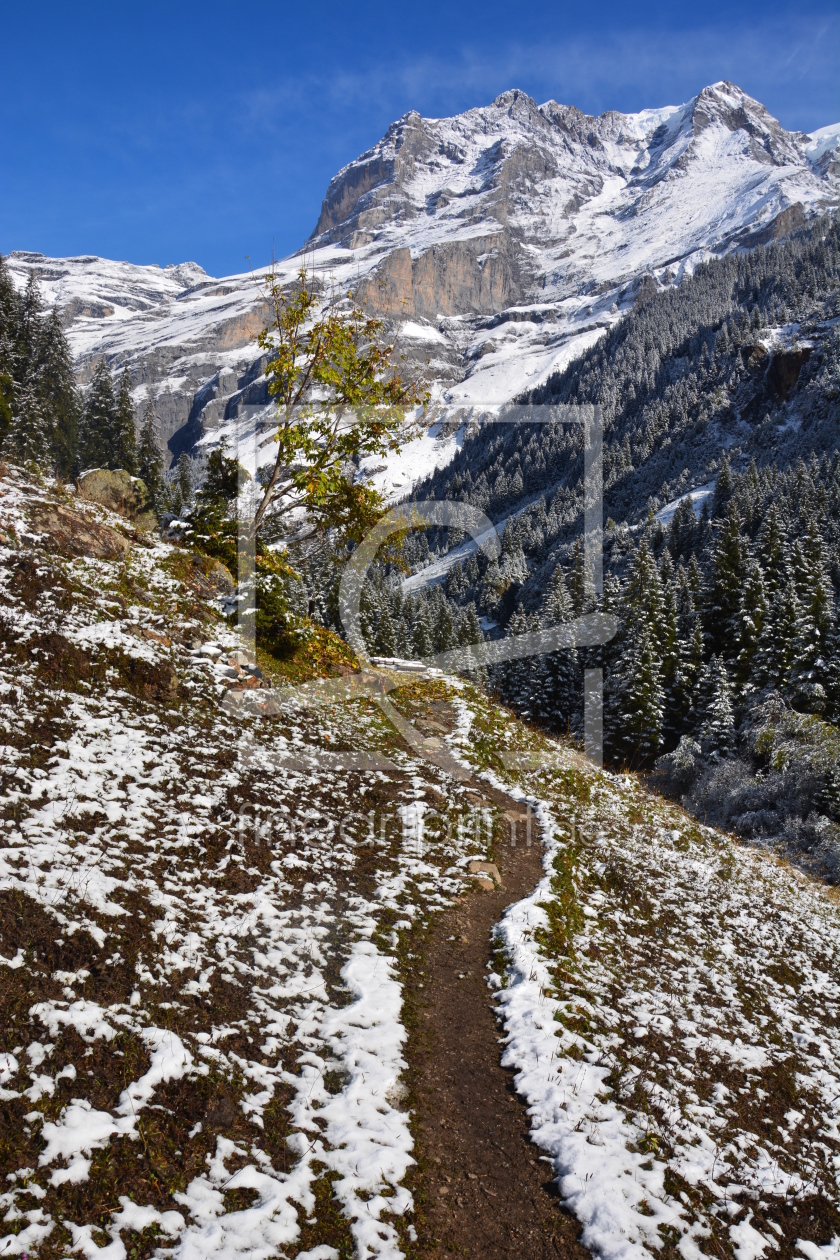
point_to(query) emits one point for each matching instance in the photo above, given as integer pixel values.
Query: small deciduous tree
(340, 396)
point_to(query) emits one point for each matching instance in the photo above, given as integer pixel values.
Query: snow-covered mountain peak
(501, 241)
(512, 161)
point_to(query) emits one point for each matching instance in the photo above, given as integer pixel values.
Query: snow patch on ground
(698, 498)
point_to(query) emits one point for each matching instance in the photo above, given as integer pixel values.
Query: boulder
(75, 535)
(208, 577)
(151, 680)
(120, 492)
(784, 369)
(485, 871)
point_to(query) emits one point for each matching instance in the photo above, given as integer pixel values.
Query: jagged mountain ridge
(503, 241)
(545, 175)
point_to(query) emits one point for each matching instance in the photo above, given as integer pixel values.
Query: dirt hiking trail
(482, 1189)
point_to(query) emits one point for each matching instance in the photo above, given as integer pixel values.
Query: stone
(250, 703)
(487, 869)
(152, 680)
(784, 369)
(118, 491)
(485, 884)
(73, 534)
(220, 578)
(163, 639)
(208, 577)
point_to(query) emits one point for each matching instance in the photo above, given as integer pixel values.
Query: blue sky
(160, 132)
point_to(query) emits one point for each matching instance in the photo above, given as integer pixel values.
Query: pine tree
(7, 398)
(724, 485)
(469, 628)
(669, 646)
(717, 728)
(831, 675)
(99, 436)
(59, 394)
(752, 617)
(642, 699)
(222, 477)
(814, 586)
(643, 591)
(811, 673)
(212, 519)
(185, 487)
(125, 437)
(38, 395)
(423, 638)
(469, 634)
(445, 629)
(776, 657)
(29, 328)
(729, 570)
(150, 460)
(683, 529)
(517, 674)
(29, 440)
(693, 699)
(581, 586)
(386, 644)
(695, 580)
(555, 674)
(772, 550)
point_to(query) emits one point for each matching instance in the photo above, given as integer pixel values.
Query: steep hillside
(503, 242)
(220, 895)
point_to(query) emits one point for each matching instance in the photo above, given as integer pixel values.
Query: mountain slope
(502, 241)
(215, 925)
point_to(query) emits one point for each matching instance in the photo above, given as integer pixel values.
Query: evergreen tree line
(714, 612)
(717, 614)
(45, 420)
(414, 626)
(728, 640)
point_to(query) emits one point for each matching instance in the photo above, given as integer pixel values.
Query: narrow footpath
(482, 1189)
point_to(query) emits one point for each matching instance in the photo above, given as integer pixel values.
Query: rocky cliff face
(501, 241)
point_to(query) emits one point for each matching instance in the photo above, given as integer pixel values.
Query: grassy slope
(186, 1060)
(670, 999)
